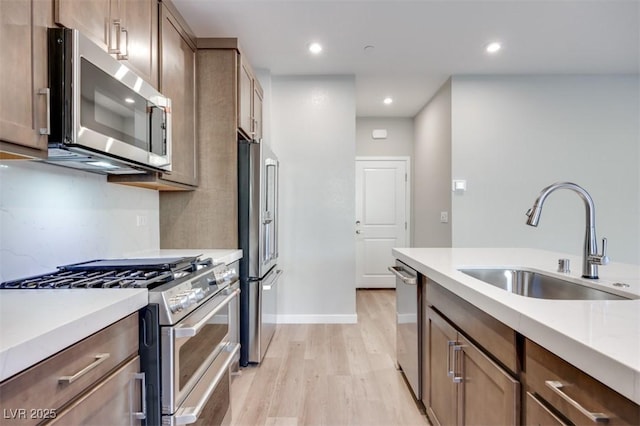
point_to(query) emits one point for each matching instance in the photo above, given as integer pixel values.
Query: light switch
(459, 185)
(444, 217)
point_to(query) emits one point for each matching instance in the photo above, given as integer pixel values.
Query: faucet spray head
(534, 215)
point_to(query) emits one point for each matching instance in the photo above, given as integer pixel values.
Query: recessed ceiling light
(493, 47)
(129, 100)
(315, 48)
(388, 100)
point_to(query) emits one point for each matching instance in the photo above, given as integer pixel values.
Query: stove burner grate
(93, 279)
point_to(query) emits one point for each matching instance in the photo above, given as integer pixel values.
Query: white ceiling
(419, 44)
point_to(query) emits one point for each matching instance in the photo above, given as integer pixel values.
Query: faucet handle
(601, 259)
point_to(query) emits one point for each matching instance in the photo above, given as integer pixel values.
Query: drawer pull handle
(141, 415)
(594, 417)
(67, 380)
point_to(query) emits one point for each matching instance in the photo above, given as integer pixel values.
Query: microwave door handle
(181, 332)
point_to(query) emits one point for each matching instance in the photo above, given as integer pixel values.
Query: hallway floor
(330, 374)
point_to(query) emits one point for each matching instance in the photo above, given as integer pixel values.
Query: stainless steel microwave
(103, 117)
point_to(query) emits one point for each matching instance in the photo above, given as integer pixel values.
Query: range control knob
(184, 300)
(199, 293)
(174, 305)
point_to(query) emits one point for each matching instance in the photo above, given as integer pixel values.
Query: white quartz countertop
(217, 255)
(35, 324)
(600, 337)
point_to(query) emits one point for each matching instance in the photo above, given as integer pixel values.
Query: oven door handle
(181, 332)
(190, 415)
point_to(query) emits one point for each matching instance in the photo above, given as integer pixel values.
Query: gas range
(178, 284)
(188, 333)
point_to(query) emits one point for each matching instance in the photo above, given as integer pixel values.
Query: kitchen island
(599, 337)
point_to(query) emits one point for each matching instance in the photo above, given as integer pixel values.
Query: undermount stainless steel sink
(537, 285)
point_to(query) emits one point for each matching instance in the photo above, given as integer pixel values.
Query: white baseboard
(317, 319)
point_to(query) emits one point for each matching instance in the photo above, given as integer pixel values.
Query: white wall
(51, 216)
(432, 172)
(399, 141)
(313, 134)
(514, 135)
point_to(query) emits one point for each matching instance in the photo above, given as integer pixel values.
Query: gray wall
(399, 141)
(51, 216)
(432, 172)
(313, 134)
(514, 135)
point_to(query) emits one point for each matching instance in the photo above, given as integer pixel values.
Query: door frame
(408, 188)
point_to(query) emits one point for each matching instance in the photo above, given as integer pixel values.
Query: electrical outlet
(141, 220)
(444, 217)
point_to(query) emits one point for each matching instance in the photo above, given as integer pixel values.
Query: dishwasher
(408, 326)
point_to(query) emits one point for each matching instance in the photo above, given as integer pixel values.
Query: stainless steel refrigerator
(258, 234)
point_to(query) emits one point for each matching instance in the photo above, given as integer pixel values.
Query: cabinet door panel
(140, 19)
(91, 19)
(489, 395)
(178, 83)
(442, 399)
(539, 415)
(257, 110)
(245, 94)
(22, 109)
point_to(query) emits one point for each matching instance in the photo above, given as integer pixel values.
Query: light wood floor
(330, 374)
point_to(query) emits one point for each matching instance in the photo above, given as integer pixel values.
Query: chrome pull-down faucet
(591, 259)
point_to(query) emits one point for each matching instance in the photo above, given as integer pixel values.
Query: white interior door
(381, 219)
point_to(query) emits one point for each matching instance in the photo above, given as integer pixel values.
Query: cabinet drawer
(577, 396)
(115, 401)
(54, 382)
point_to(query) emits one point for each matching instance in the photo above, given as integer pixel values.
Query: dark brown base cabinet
(467, 387)
(96, 381)
(478, 371)
(559, 393)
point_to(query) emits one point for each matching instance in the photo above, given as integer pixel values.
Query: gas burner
(116, 273)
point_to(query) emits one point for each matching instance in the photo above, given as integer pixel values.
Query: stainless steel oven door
(209, 403)
(189, 347)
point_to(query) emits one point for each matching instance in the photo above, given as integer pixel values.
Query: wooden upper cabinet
(258, 95)
(245, 95)
(177, 81)
(23, 72)
(140, 19)
(91, 17)
(126, 28)
(250, 97)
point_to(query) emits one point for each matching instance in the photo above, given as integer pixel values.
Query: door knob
(357, 222)
(358, 231)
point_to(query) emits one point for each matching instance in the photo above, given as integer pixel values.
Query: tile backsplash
(51, 216)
